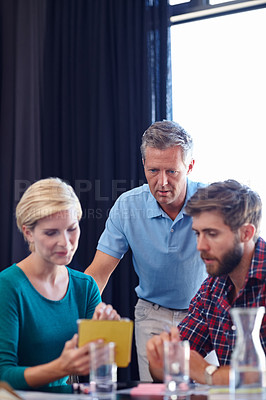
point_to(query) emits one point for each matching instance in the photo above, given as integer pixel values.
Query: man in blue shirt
(151, 221)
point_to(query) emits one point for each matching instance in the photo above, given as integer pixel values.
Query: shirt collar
(258, 264)
(190, 192)
(154, 210)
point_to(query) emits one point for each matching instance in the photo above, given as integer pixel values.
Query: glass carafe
(248, 365)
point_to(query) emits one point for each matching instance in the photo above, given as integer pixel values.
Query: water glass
(176, 367)
(103, 374)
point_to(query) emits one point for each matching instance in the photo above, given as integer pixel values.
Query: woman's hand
(105, 311)
(72, 361)
(75, 360)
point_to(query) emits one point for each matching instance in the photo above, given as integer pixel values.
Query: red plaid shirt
(208, 325)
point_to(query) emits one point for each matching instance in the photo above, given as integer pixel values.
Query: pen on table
(168, 329)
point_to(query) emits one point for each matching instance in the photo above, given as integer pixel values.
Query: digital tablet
(120, 332)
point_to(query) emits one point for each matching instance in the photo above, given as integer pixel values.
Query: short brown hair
(236, 203)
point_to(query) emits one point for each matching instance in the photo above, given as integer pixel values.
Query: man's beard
(229, 261)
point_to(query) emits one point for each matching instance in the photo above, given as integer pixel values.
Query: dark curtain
(80, 82)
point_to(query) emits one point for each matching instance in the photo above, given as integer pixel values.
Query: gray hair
(164, 134)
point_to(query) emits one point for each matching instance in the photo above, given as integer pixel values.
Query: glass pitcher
(248, 365)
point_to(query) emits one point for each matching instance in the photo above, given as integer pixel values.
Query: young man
(226, 219)
(151, 221)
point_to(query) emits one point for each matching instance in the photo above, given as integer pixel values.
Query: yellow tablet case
(120, 332)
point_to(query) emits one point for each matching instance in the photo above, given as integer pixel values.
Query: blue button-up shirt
(164, 252)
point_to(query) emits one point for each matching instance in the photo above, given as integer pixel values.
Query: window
(219, 95)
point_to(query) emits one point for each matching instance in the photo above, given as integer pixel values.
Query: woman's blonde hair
(43, 198)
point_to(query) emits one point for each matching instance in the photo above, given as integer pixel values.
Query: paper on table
(7, 393)
(159, 389)
(223, 393)
(148, 388)
(32, 395)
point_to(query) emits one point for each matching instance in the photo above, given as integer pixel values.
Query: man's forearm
(101, 280)
(101, 268)
(197, 370)
(221, 376)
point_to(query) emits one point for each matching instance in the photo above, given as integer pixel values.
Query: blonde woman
(41, 298)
